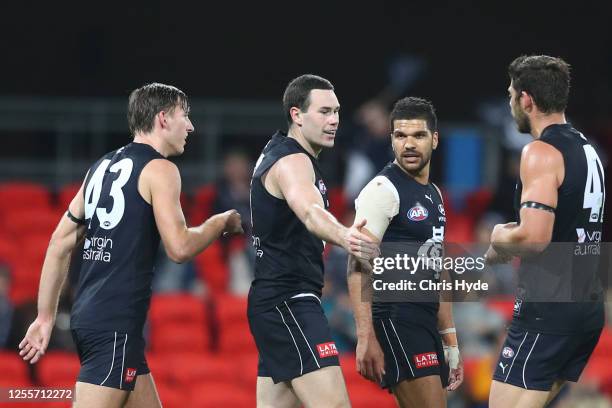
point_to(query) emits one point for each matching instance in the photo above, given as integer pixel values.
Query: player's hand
(370, 360)
(453, 359)
(233, 223)
(36, 340)
(359, 244)
(493, 257)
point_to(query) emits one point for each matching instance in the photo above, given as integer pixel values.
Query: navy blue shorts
(411, 351)
(293, 339)
(534, 361)
(110, 359)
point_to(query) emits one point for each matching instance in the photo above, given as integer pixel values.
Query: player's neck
(155, 142)
(541, 121)
(422, 177)
(296, 134)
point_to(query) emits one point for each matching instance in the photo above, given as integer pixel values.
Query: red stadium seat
(23, 195)
(337, 202)
(66, 194)
(216, 394)
(212, 268)
(231, 307)
(177, 308)
(58, 369)
(236, 339)
(14, 370)
(170, 395)
(175, 337)
(365, 394)
(245, 370)
(24, 223)
(190, 369)
(202, 205)
(9, 250)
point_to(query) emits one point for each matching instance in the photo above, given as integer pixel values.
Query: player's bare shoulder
(158, 174)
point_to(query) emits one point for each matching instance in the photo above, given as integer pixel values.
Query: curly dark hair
(415, 108)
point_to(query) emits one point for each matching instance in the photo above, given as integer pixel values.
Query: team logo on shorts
(327, 349)
(130, 374)
(425, 360)
(417, 213)
(322, 187)
(508, 352)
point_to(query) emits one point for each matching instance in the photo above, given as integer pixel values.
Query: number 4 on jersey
(108, 219)
(594, 190)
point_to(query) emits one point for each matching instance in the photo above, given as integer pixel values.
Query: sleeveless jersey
(121, 242)
(416, 230)
(559, 290)
(289, 259)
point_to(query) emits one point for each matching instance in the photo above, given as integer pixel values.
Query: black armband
(75, 219)
(538, 206)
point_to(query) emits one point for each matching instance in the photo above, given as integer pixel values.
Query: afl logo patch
(417, 213)
(322, 187)
(508, 352)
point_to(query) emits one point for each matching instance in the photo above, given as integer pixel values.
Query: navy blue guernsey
(419, 223)
(289, 259)
(567, 271)
(121, 242)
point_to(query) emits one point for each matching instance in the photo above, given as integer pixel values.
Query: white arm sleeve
(378, 203)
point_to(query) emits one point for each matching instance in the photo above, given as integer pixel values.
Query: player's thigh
(322, 388)
(270, 395)
(504, 395)
(420, 392)
(98, 396)
(145, 393)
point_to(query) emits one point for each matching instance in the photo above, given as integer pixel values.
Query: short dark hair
(297, 93)
(546, 79)
(148, 100)
(415, 108)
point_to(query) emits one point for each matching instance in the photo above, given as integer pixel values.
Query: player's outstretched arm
(160, 185)
(294, 177)
(542, 172)
(54, 271)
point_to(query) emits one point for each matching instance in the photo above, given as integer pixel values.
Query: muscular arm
(57, 260)
(160, 184)
(542, 172)
(64, 240)
(294, 177)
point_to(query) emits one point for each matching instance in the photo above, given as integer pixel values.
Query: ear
(161, 117)
(526, 102)
(296, 115)
(435, 140)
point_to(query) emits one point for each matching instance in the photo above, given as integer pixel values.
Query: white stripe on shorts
(392, 352)
(112, 361)
(122, 362)
(525, 363)
(515, 356)
(403, 351)
(292, 338)
(305, 339)
(301, 295)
